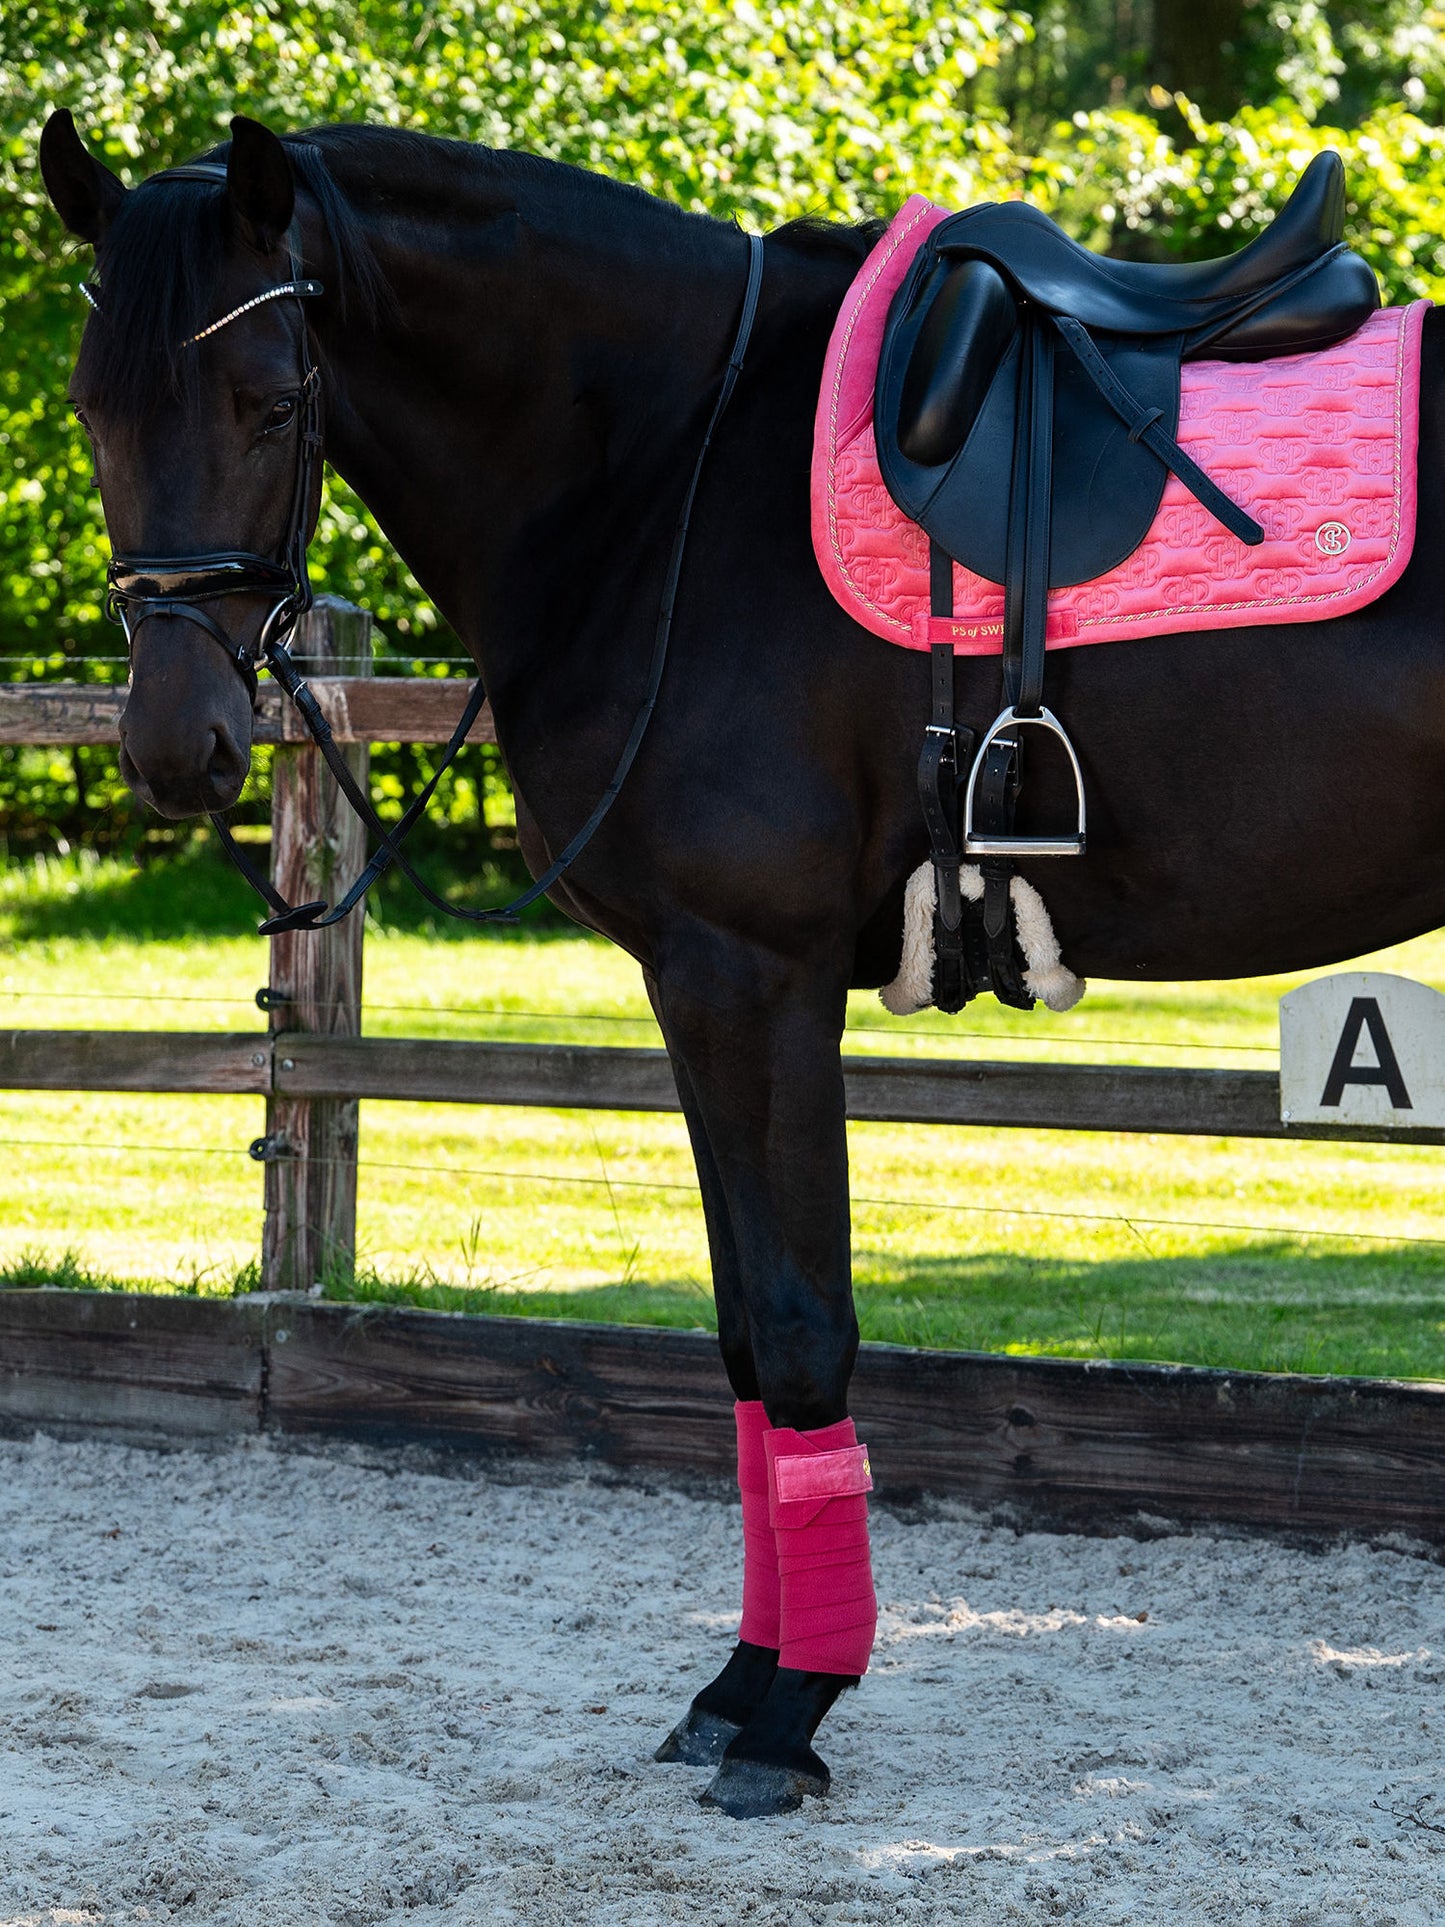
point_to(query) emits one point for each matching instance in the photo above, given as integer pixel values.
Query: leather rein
(141, 588)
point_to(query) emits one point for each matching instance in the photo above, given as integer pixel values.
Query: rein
(142, 587)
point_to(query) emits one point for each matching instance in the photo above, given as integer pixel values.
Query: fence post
(317, 846)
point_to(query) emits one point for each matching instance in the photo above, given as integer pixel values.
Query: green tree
(1143, 125)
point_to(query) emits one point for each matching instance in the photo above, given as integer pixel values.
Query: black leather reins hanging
(144, 587)
(308, 916)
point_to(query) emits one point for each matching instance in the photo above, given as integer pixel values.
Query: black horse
(518, 363)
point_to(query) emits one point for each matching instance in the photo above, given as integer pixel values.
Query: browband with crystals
(300, 289)
(297, 288)
(213, 174)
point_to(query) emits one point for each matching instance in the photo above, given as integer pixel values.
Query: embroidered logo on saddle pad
(1319, 448)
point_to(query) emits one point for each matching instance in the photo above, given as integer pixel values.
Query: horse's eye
(282, 414)
(81, 417)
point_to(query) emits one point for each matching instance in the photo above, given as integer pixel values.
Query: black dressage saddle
(1025, 413)
(954, 366)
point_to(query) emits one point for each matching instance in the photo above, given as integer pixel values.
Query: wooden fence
(314, 1067)
(1072, 1442)
(1059, 1440)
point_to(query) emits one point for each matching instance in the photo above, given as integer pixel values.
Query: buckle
(302, 916)
(978, 844)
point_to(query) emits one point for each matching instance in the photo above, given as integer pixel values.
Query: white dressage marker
(1362, 1048)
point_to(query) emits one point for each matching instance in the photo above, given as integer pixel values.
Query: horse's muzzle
(185, 732)
(179, 778)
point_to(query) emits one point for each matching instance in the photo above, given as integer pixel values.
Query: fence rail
(586, 1077)
(384, 709)
(1065, 1441)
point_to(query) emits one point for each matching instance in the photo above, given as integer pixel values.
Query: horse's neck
(532, 401)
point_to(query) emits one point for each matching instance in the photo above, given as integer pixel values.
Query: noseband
(140, 587)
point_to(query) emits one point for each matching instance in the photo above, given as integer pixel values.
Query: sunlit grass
(1311, 1256)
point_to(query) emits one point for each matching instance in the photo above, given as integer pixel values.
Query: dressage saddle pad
(1319, 448)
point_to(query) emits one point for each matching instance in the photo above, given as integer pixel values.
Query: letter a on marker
(1364, 1014)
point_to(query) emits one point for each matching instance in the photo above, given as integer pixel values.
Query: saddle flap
(945, 410)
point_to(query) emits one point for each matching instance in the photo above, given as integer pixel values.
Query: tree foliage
(754, 111)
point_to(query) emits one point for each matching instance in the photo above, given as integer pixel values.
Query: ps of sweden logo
(1332, 538)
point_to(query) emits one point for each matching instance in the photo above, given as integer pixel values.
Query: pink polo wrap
(819, 1484)
(760, 1551)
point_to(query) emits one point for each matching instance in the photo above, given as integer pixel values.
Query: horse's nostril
(225, 769)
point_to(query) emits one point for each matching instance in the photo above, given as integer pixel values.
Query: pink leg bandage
(760, 1551)
(819, 1484)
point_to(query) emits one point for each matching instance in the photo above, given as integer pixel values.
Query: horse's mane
(169, 246)
(164, 259)
(853, 240)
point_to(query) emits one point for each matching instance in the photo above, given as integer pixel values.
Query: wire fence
(943, 1038)
(1127, 1220)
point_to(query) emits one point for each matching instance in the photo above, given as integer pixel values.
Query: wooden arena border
(1053, 1441)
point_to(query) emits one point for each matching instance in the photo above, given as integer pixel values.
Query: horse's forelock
(164, 259)
(162, 263)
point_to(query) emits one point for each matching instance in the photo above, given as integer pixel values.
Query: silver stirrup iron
(1022, 846)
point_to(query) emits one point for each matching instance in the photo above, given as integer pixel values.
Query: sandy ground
(255, 1686)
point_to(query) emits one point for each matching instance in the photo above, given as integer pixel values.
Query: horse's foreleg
(725, 1705)
(756, 1040)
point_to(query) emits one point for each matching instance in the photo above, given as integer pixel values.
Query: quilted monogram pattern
(1319, 448)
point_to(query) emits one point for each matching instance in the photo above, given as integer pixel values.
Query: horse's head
(205, 441)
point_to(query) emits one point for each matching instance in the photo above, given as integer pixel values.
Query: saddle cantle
(948, 391)
(1026, 411)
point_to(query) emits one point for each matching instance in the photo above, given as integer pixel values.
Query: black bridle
(140, 588)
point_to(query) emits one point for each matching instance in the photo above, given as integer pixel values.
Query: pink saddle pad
(1319, 448)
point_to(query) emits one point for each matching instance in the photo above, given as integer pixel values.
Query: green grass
(1314, 1257)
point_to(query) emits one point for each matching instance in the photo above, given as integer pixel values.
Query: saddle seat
(1151, 298)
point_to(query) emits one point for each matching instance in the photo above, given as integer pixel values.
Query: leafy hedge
(756, 111)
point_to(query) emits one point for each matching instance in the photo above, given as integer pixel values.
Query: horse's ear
(260, 183)
(85, 194)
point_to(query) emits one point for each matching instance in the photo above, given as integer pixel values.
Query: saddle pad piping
(914, 221)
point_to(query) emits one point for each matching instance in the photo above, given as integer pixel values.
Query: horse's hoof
(756, 1789)
(700, 1738)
